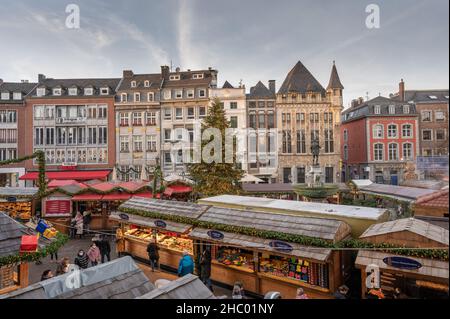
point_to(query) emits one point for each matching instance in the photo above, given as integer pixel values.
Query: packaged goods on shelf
(235, 257)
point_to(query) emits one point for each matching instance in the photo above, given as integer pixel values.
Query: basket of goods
(41, 226)
(28, 244)
(50, 232)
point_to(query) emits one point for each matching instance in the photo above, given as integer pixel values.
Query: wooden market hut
(433, 205)
(18, 202)
(417, 277)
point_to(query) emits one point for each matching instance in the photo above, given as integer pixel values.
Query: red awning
(116, 196)
(75, 175)
(179, 189)
(87, 197)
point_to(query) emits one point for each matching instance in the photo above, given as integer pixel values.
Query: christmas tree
(217, 177)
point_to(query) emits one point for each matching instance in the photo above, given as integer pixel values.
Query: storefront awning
(177, 189)
(87, 197)
(250, 242)
(150, 222)
(116, 196)
(75, 175)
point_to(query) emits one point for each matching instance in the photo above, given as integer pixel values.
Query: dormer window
(133, 84)
(391, 109)
(88, 91)
(174, 77)
(198, 76)
(405, 109)
(137, 97)
(433, 97)
(17, 96)
(147, 84)
(104, 91)
(40, 92)
(5, 96)
(57, 91)
(123, 97)
(73, 91)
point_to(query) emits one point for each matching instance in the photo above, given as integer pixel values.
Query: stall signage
(402, 263)
(124, 216)
(214, 234)
(160, 224)
(281, 246)
(11, 199)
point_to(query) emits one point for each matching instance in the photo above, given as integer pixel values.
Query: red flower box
(29, 244)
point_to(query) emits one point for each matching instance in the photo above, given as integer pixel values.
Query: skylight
(433, 97)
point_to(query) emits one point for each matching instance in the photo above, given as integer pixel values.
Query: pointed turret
(227, 85)
(335, 82)
(300, 80)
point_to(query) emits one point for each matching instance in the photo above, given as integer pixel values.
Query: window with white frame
(137, 118)
(426, 116)
(5, 95)
(102, 112)
(201, 111)
(150, 118)
(405, 109)
(190, 94)
(392, 131)
(123, 97)
(179, 94)
(167, 159)
(39, 136)
(378, 131)
(178, 113)
(377, 109)
(179, 134)
(73, 91)
(179, 157)
(17, 96)
(407, 151)
(391, 109)
(88, 91)
(151, 143)
(57, 91)
(124, 118)
(202, 93)
(137, 97)
(190, 113)
(39, 112)
(103, 135)
(92, 135)
(427, 135)
(133, 84)
(345, 152)
(346, 135)
(137, 143)
(440, 116)
(174, 77)
(440, 134)
(393, 152)
(197, 76)
(50, 112)
(167, 135)
(124, 144)
(39, 92)
(150, 97)
(92, 112)
(146, 83)
(407, 130)
(167, 113)
(233, 105)
(104, 91)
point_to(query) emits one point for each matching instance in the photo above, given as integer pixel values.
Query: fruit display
(20, 210)
(140, 233)
(235, 257)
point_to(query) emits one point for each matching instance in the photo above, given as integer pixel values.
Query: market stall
(422, 275)
(18, 202)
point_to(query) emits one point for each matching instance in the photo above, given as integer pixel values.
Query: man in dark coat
(153, 255)
(205, 268)
(82, 260)
(105, 248)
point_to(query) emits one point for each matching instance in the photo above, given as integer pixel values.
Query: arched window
(378, 131)
(392, 130)
(407, 130)
(393, 152)
(345, 152)
(378, 152)
(407, 151)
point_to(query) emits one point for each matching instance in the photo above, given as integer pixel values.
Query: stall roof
(76, 175)
(11, 233)
(394, 191)
(430, 267)
(116, 196)
(326, 210)
(437, 199)
(319, 254)
(186, 287)
(65, 182)
(149, 222)
(117, 279)
(18, 191)
(278, 188)
(87, 197)
(328, 229)
(419, 227)
(184, 209)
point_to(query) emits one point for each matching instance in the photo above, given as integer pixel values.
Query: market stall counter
(18, 202)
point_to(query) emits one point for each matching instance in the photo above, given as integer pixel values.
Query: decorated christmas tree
(219, 176)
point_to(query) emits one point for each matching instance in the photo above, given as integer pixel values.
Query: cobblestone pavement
(71, 248)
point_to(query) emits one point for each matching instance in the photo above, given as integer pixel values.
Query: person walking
(79, 224)
(205, 268)
(54, 254)
(153, 255)
(301, 294)
(105, 248)
(47, 274)
(73, 228)
(186, 265)
(63, 266)
(236, 293)
(82, 259)
(87, 220)
(94, 254)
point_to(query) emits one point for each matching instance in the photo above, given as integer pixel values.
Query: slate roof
(335, 82)
(186, 287)
(368, 109)
(227, 85)
(117, 279)
(260, 91)
(65, 84)
(11, 233)
(423, 96)
(11, 87)
(438, 199)
(155, 81)
(419, 227)
(300, 80)
(187, 80)
(394, 191)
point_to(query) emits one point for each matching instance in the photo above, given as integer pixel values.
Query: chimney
(41, 78)
(1, 81)
(360, 100)
(272, 86)
(127, 73)
(401, 90)
(165, 70)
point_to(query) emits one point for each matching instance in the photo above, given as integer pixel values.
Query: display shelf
(239, 268)
(294, 282)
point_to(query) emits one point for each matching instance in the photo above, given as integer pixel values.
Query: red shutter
(57, 207)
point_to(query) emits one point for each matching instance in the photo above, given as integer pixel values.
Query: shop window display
(232, 256)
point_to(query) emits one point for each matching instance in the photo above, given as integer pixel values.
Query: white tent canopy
(248, 178)
(175, 177)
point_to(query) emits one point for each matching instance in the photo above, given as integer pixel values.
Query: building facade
(73, 122)
(12, 130)
(379, 140)
(138, 125)
(306, 111)
(262, 146)
(184, 103)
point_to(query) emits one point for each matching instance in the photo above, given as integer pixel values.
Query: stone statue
(315, 150)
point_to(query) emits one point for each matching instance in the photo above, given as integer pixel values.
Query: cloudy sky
(244, 39)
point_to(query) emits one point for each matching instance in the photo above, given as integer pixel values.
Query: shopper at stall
(186, 265)
(301, 294)
(63, 267)
(236, 293)
(47, 274)
(241, 287)
(82, 259)
(86, 220)
(79, 224)
(342, 292)
(94, 254)
(73, 228)
(205, 268)
(153, 255)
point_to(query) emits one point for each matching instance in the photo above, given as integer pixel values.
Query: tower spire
(335, 82)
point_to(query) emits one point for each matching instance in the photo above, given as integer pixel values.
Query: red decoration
(29, 244)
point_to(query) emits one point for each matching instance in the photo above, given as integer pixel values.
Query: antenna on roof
(367, 96)
(171, 65)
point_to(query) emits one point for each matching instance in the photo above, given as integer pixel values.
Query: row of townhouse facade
(383, 139)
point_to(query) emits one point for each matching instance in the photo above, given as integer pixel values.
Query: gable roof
(437, 199)
(227, 85)
(419, 227)
(335, 82)
(260, 91)
(300, 80)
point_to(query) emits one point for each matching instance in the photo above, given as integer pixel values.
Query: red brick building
(12, 129)
(73, 122)
(378, 140)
